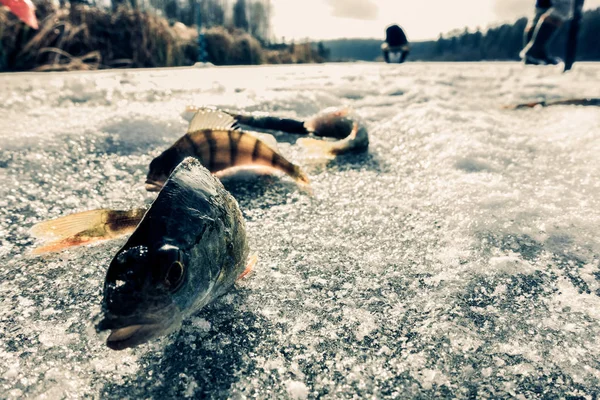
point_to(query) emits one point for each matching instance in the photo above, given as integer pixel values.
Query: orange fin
(301, 177)
(305, 187)
(252, 261)
(59, 245)
(85, 227)
(69, 225)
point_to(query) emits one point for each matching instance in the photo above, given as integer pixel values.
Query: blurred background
(89, 34)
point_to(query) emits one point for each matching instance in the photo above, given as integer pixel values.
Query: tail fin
(292, 170)
(300, 176)
(85, 227)
(302, 180)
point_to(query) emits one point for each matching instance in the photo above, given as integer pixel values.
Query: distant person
(395, 48)
(549, 16)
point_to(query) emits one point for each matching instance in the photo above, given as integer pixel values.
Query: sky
(420, 19)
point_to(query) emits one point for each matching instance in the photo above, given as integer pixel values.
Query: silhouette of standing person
(549, 16)
(395, 48)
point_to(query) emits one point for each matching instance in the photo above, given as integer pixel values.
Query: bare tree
(171, 9)
(240, 16)
(213, 13)
(260, 19)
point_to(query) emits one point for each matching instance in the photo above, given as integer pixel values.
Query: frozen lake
(458, 258)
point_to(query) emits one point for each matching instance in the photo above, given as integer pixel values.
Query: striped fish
(214, 138)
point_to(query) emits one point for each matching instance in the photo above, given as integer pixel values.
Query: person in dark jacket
(395, 48)
(549, 16)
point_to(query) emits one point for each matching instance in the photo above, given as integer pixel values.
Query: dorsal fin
(210, 118)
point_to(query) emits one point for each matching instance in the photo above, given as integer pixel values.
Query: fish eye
(174, 276)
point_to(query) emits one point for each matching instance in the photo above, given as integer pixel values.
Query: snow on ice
(458, 258)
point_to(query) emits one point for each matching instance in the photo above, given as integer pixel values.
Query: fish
(332, 122)
(565, 102)
(214, 138)
(188, 249)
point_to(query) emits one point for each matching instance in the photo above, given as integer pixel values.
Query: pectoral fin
(252, 261)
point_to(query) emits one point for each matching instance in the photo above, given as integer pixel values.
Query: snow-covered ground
(458, 258)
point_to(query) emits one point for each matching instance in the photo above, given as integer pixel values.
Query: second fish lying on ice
(214, 138)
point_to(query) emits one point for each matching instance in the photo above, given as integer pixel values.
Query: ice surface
(458, 258)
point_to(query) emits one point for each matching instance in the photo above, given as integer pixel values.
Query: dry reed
(85, 38)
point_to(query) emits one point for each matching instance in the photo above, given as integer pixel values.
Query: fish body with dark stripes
(214, 138)
(188, 249)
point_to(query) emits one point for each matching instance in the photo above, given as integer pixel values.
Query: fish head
(331, 122)
(189, 247)
(145, 294)
(161, 168)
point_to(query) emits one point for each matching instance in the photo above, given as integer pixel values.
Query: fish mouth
(128, 332)
(153, 186)
(133, 335)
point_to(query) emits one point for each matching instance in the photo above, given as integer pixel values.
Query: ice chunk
(297, 390)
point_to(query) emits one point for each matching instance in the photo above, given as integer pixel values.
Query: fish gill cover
(457, 258)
